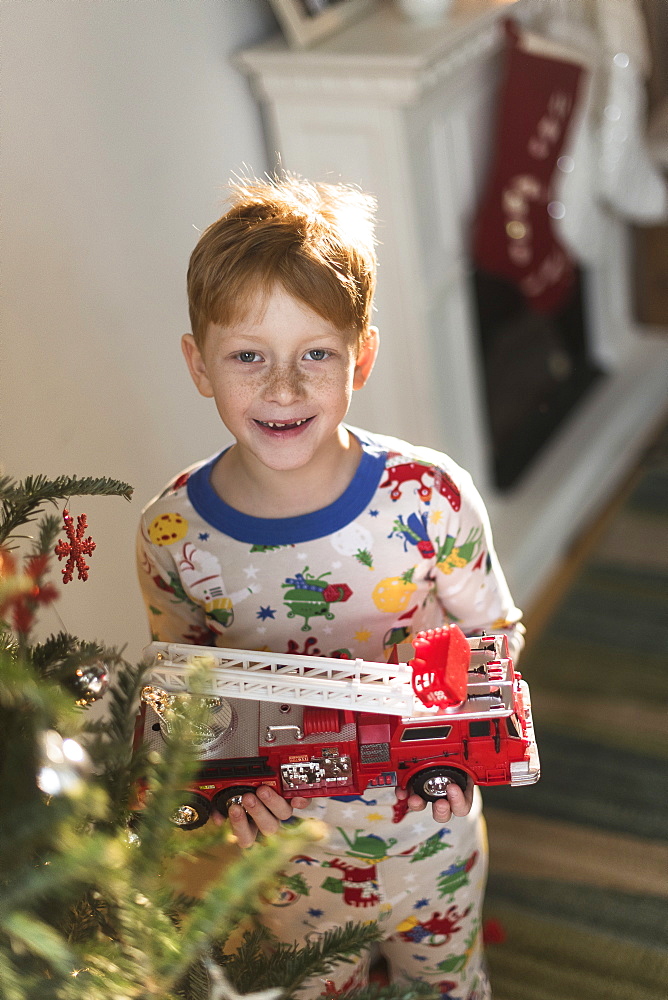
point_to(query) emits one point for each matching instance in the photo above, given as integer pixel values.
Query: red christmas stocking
(513, 233)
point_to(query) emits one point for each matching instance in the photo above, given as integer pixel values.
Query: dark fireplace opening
(537, 368)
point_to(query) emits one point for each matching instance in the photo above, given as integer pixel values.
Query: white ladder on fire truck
(358, 685)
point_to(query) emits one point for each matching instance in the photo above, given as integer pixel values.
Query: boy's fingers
(260, 813)
(272, 801)
(460, 802)
(457, 802)
(441, 811)
(416, 803)
(254, 820)
(264, 820)
(244, 832)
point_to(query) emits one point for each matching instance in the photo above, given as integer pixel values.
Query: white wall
(121, 123)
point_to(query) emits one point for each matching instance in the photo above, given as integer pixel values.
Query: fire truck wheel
(432, 783)
(193, 811)
(223, 800)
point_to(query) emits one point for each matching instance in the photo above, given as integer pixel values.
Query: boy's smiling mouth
(284, 425)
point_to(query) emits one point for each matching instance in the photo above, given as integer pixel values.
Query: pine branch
(89, 903)
(288, 966)
(28, 708)
(251, 954)
(395, 991)
(60, 655)
(168, 773)
(22, 502)
(196, 985)
(53, 650)
(22, 691)
(87, 917)
(49, 528)
(8, 643)
(13, 984)
(110, 740)
(239, 891)
(261, 963)
(26, 931)
(6, 484)
(121, 700)
(73, 863)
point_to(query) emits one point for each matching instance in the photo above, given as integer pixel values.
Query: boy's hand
(261, 813)
(458, 803)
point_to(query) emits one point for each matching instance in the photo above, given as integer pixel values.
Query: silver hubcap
(185, 814)
(437, 786)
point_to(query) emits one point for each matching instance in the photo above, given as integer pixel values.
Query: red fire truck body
(319, 726)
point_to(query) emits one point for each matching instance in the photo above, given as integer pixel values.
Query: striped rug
(577, 905)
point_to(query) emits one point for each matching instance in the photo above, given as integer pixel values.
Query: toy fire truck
(310, 725)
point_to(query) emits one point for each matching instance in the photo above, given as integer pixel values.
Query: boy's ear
(196, 366)
(366, 358)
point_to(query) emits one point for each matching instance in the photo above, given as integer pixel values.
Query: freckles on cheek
(335, 381)
(333, 392)
(235, 394)
(321, 383)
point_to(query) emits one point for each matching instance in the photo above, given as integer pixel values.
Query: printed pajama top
(406, 547)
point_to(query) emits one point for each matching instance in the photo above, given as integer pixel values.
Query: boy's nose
(284, 383)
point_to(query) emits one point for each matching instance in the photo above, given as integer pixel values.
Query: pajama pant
(423, 883)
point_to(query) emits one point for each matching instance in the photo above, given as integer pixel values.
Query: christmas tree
(89, 907)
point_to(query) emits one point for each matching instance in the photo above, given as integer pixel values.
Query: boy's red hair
(315, 240)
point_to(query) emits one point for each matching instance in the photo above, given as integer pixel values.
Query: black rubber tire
(420, 783)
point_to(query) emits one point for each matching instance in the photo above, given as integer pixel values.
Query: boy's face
(282, 380)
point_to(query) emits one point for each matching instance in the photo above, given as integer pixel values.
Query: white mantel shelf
(406, 111)
(386, 50)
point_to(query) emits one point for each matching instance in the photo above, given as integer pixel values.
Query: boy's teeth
(283, 423)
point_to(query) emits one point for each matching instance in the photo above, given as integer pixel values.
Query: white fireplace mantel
(406, 111)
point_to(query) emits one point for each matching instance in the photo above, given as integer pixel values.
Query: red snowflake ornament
(76, 548)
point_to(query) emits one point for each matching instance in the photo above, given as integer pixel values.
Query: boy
(309, 536)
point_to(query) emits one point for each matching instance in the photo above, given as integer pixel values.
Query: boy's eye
(316, 354)
(247, 356)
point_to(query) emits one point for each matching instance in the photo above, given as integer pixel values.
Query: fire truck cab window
(426, 733)
(513, 729)
(480, 728)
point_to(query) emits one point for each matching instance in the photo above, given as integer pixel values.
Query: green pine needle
(37, 937)
(50, 527)
(22, 502)
(288, 965)
(60, 655)
(394, 991)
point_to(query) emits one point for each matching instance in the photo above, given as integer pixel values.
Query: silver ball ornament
(89, 683)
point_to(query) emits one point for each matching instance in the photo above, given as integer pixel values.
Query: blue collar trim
(291, 530)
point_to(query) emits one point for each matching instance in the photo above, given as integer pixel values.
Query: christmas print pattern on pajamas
(406, 547)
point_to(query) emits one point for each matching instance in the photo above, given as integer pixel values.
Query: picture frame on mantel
(305, 22)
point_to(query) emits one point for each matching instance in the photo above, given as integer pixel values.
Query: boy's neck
(258, 491)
